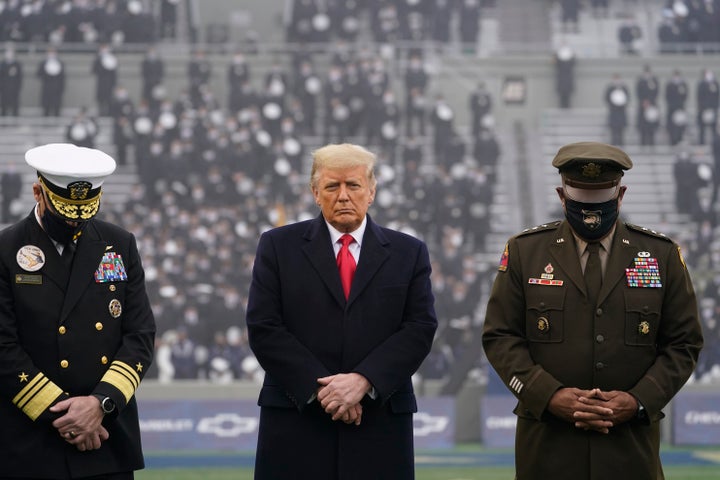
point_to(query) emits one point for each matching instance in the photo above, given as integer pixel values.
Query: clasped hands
(81, 425)
(593, 409)
(340, 395)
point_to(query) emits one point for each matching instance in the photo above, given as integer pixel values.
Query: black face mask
(591, 221)
(58, 229)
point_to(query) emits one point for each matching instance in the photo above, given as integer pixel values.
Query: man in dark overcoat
(339, 348)
(76, 328)
(592, 323)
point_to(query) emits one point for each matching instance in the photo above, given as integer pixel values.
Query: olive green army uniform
(541, 334)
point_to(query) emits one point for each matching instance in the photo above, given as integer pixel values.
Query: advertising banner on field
(696, 418)
(232, 425)
(497, 421)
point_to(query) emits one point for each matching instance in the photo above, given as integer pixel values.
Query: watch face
(108, 405)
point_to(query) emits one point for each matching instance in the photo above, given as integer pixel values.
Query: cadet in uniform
(76, 329)
(592, 324)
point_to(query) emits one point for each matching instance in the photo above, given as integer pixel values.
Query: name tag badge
(28, 279)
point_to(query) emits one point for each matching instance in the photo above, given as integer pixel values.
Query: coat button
(98, 326)
(112, 288)
(62, 330)
(599, 312)
(599, 365)
(600, 339)
(64, 364)
(104, 360)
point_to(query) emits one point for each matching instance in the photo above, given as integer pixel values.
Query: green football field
(463, 463)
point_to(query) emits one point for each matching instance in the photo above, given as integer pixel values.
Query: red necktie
(346, 264)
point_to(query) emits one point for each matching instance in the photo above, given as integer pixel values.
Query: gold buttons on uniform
(62, 330)
(98, 326)
(112, 288)
(104, 360)
(64, 363)
(644, 328)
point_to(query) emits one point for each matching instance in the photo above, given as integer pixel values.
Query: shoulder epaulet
(648, 231)
(540, 228)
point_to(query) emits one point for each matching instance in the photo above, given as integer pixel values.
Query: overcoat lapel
(89, 253)
(319, 253)
(374, 253)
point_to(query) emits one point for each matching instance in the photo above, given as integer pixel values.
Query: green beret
(591, 164)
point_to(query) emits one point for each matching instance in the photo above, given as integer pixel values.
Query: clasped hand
(81, 425)
(340, 396)
(593, 409)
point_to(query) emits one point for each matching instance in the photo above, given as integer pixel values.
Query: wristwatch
(106, 404)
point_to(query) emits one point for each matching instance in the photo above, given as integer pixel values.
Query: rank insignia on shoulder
(111, 269)
(504, 260)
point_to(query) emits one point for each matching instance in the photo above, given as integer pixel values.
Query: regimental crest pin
(115, 308)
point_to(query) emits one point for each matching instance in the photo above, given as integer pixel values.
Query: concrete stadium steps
(650, 200)
(18, 134)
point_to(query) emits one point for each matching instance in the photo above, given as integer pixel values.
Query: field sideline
(462, 463)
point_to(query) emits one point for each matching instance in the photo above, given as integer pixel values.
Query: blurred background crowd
(219, 148)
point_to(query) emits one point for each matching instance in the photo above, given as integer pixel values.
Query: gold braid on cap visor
(73, 210)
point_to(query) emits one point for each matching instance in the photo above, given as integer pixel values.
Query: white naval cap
(71, 177)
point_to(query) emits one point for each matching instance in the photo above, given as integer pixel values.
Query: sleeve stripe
(123, 377)
(37, 396)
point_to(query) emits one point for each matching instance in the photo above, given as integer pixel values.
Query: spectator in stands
(104, 68)
(716, 165)
(480, 104)
(11, 79)
(152, 70)
(82, 130)
(596, 393)
(707, 95)
(306, 388)
(648, 123)
(629, 33)
(416, 83)
(440, 18)
(616, 99)
(168, 18)
(51, 72)
(676, 94)
(469, 24)
(564, 61)
(687, 185)
(199, 74)
(10, 189)
(569, 13)
(647, 87)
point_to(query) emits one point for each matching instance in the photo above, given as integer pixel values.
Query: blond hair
(345, 155)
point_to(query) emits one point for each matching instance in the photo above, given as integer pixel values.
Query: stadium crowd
(216, 172)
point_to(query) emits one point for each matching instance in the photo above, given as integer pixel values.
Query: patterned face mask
(591, 221)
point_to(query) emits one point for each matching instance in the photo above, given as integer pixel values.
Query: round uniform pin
(115, 308)
(543, 324)
(644, 328)
(30, 258)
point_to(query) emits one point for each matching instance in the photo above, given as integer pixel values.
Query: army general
(592, 324)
